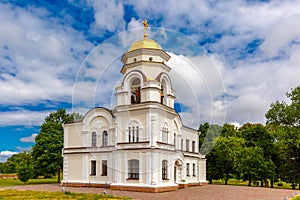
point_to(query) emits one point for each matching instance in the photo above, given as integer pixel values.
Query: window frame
(193, 146)
(194, 169)
(187, 169)
(164, 173)
(93, 168)
(104, 138)
(187, 145)
(165, 135)
(94, 139)
(104, 168)
(133, 169)
(133, 134)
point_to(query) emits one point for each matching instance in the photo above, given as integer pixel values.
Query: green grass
(32, 195)
(14, 182)
(245, 183)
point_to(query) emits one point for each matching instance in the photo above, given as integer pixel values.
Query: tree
(25, 167)
(208, 137)
(11, 164)
(257, 135)
(49, 143)
(226, 151)
(286, 118)
(229, 130)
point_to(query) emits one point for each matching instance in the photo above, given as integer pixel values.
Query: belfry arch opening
(163, 92)
(135, 91)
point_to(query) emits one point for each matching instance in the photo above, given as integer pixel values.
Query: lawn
(13, 182)
(32, 195)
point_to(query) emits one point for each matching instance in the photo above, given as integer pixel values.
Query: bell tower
(145, 74)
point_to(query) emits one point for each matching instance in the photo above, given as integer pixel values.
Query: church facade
(140, 145)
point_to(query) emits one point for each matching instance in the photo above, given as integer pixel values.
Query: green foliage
(284, 122)
(24, 173)
(49, 143)
(208, 137)
(255, 152)
(25, 168)
(226, 150)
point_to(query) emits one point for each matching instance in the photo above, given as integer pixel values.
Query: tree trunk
(293, 186)
(266, 182)
(261, 183)
(226, 180)
(249, 183)
(210, 181)
(58, 175)
(272, 183)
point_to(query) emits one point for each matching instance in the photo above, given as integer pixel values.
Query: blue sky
(252, 58)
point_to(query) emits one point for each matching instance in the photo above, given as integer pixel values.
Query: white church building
(141, 144)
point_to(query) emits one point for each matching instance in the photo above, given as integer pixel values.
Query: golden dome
(144, 44)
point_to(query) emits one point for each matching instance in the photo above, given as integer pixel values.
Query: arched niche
(133, 82)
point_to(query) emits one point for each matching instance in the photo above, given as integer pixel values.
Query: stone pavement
(211, 192)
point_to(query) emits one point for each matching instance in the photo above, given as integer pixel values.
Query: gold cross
(146, 26)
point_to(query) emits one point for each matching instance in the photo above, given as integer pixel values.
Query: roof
(144, 44)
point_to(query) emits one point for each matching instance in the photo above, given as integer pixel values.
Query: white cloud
(23, 117)
(108, 15)
(6, 154)
(39, 64)
(281, 36)
(38, 60)
(29, 139)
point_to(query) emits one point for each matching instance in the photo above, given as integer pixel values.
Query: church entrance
(177, 170)
(175, 173)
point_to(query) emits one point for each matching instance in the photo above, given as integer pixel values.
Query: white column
(116, 133)
(153, 134)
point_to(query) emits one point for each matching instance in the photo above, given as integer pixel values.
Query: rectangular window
(104, 168)
(93, 168)
(164, 170)
(187, 145)
(133, 169)
(193, 146)
(194, 169)
(187, 169)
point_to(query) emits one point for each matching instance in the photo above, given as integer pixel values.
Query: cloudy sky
(230, 59)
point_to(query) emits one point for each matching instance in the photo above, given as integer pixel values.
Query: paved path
(211, 192)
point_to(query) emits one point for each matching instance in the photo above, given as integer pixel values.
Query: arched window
(164, 170)
(133, 134)
(104, 138)
(133, 169)
(135, 87)
(94, 139)
(163, 92)
(165, 134)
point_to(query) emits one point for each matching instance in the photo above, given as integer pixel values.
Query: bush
(280, 183)
(24, 173)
